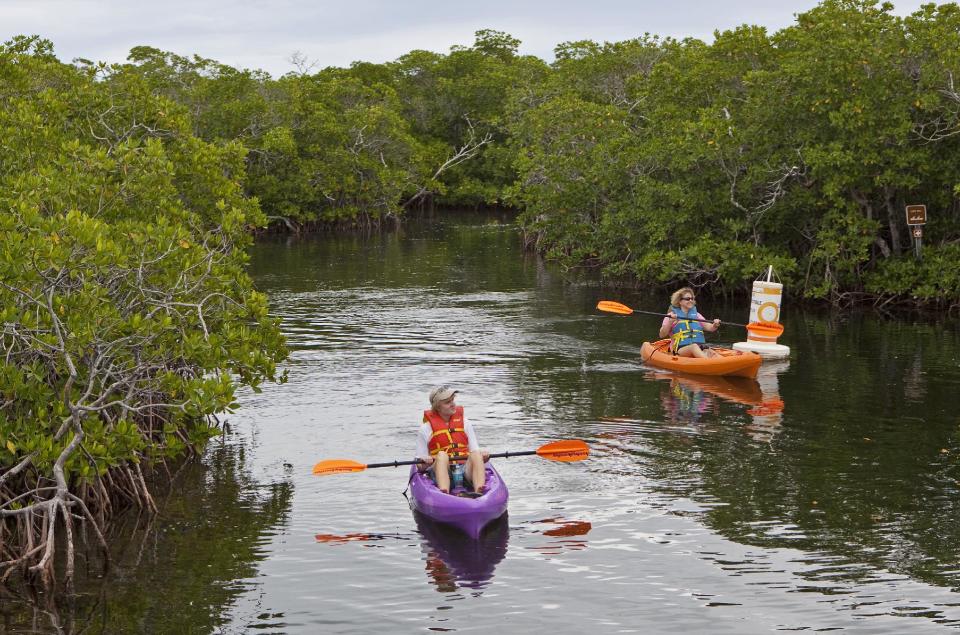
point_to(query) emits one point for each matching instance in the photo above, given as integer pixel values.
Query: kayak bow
(470, 515)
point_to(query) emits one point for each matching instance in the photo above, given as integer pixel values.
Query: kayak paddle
(566, 451)
(766, 329)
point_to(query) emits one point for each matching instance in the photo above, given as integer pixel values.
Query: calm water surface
(823, 496)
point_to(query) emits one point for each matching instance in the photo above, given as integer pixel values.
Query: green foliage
(798, 149)
(354, 146)
(456, 99)
(224, 103)
(345, 154)
(934, 277)
(128, 318)
(586, 148)
(628, 165)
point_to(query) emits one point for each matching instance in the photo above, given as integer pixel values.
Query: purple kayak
(470, 515)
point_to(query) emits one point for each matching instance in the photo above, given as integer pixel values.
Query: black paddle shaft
(722, 322)
(501, 455)
(395, 463)
(507, 455)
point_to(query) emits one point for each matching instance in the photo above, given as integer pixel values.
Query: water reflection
(564, 530)
(454, 559)
(339, 539)
(567, 527)
(767, 415)
(687, 399)
(199, 555)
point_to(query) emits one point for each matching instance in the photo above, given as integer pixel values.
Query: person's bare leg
(477, 471)
(441, 471)
(692, 350)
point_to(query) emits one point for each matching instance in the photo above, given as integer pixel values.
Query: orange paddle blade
(614, 307)
(766, 329)
(566, 451)
(337, 466)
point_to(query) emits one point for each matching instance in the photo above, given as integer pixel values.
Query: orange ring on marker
(763, 306)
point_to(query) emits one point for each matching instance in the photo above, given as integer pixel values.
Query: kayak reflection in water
(454, 559)
(447, 444)
(680, 324)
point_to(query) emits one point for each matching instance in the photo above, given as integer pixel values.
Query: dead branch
(465, 152)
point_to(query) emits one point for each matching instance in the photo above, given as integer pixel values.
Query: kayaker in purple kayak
(447, 444)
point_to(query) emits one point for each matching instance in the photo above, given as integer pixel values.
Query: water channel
(823, 496)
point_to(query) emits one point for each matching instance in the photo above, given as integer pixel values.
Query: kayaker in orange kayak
(685, 333)
(448, 445)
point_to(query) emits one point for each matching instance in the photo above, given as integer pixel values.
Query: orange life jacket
(449, 436)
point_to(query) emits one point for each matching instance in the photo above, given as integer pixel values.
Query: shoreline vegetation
(129, 320)
(131, 191)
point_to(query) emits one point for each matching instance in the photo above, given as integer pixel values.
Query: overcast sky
(264, 34)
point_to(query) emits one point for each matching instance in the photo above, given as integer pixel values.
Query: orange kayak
(725, 361)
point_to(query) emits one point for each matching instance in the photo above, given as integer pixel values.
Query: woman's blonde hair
(675, 296)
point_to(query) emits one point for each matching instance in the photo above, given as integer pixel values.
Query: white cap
(441, 393)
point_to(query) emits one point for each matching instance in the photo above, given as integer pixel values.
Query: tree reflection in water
(167, 572)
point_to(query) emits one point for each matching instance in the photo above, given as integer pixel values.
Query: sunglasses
(688, 297)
